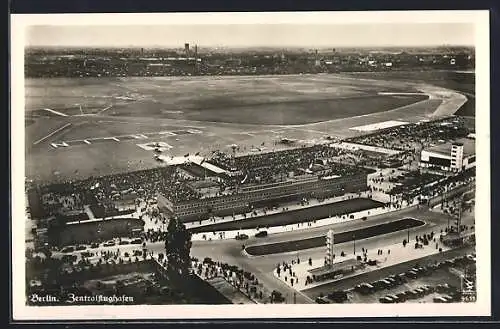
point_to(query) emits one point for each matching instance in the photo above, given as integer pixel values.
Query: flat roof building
(450, 156)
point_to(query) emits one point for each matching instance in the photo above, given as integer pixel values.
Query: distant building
(453, 156)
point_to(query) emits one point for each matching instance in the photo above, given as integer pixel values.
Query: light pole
(408, 230)
(354, 241)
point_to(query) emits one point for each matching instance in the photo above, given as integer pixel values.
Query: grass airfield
(248, 111)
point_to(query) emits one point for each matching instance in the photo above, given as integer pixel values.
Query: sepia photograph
(250, 165)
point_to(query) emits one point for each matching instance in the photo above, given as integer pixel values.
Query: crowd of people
(104, 190)
(273, 167)
(442, 186)
(407, 137)
(244, 281)
(411, 181)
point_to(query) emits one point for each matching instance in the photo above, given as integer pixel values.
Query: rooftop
(445, 148)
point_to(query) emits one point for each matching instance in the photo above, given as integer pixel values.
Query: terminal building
(245, 197)
(450, 157)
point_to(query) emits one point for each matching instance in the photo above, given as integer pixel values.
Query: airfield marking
(56, 112)
(52, 133)
(105, 109)
(56, 145)
(142, 136)
(379, 125)
(309, 130)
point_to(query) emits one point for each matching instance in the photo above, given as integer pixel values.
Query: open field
(294, 216)
(341, 103)
(282, 112)
(460, 81)
(261, 100)
(358, 234)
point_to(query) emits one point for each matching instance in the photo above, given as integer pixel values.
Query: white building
(456, 156)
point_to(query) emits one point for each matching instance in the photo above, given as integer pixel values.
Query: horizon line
(253, 46)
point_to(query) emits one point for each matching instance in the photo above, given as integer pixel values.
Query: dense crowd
(244, 281)
(440, 187)
(104, 190)
(406, 137)
(412, 181)
(275, 166)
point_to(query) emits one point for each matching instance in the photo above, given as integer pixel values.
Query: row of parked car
(413, 273)
(389, 282)
(336, 296)
(242, 236)
(94, 245)
(407, 295)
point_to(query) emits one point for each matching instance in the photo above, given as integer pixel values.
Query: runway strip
(320, 241)
(52, 133)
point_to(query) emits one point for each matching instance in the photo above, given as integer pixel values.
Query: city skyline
(254, 35)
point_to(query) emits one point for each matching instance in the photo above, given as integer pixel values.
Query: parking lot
(437, 281)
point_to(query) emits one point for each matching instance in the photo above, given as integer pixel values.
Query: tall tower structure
(330, 253)
(457, 156)
(186, 49)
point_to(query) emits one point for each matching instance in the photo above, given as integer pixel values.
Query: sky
(253, 35)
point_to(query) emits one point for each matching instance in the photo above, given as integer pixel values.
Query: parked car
(68, 249)
(87, 254)
(471, 257)
(80, 247)
(322, 300)
(402, 277)
(420, 292)
(382, 284)
(402, 296)
(411, 294)
(449, 299)
(94, 245)
(261, 234)
(390, 282)
(394, 298)
(428, 289)
(123, 242)
(109, 243)
(338, 296)
(136, 241)
(442, 287)
(386, 300)
(364, 288)
(439, 299)
(241, 237)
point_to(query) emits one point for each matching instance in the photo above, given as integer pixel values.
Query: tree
(177, 249)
